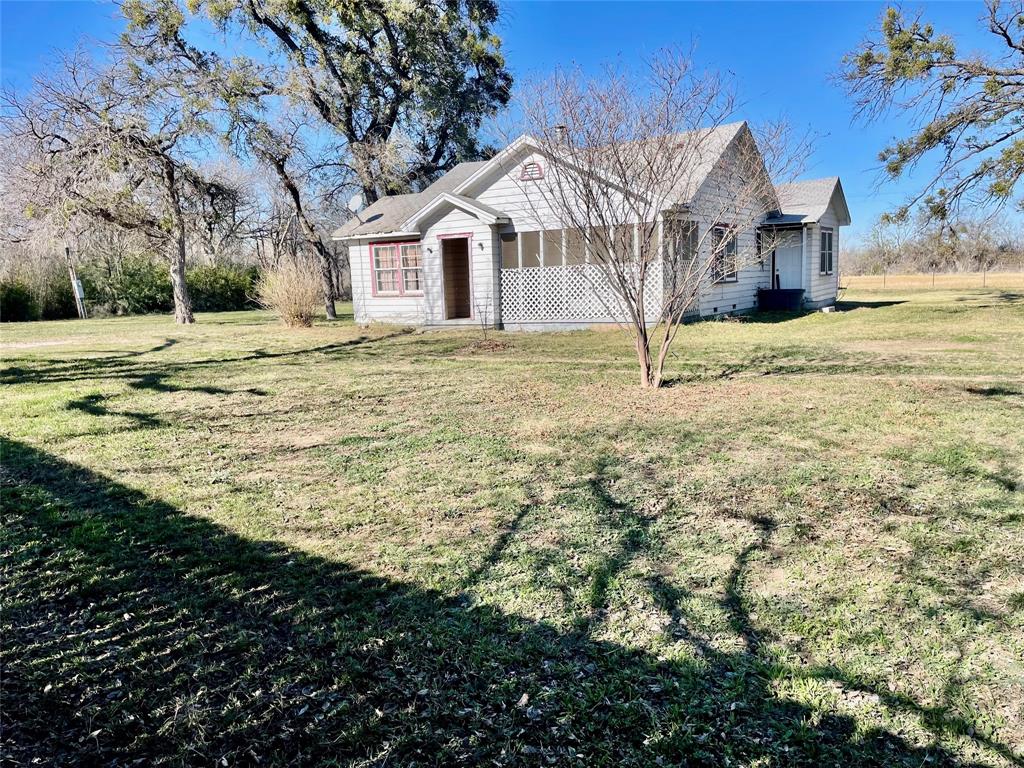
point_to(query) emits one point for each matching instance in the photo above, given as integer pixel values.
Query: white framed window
(412, 268)
(575, 248)
(681, 238)
(397, 269)
(552, 248)
(723, 254)
(529, 249)
(827, 259)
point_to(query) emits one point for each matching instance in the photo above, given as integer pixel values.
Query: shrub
(17, 303)
(138, 286)
(292, 291)
(54, 293)
(221, 288)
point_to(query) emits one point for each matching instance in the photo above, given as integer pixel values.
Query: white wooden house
(478, 247)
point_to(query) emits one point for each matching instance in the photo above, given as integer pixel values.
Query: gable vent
(531, 171)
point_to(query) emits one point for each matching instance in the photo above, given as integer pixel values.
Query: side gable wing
(838, 203)
(741, 146)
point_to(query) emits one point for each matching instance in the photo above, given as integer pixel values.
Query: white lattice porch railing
(578, 293)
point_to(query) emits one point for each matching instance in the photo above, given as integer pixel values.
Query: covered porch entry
(456, 277)
(788, 286)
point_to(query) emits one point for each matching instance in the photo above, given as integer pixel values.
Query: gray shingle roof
(806, 201)
(710, 145)
(388, 213)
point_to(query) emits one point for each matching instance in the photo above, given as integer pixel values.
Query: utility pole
(76, 285)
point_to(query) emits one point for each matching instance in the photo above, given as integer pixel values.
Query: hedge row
(140, 286)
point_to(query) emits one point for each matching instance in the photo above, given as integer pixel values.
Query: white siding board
(821, 289)
(710, 207)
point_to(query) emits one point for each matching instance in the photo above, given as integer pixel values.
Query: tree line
(975, 244)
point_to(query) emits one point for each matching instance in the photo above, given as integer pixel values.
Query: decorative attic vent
(531, 171)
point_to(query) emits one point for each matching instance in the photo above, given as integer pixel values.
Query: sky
(781, 55)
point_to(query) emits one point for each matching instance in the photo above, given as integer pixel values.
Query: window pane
(681, 240)
(575, 248)
(531, 249)
(411, 255)
(413, 279)
(386, 257)
(652, 234)
(387, 281)
(597, 245)
(509, 251)
(724, 245)
(553, 248)
(622, 242)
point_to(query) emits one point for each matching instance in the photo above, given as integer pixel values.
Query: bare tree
(282, 151)
(663, 195)
(116, 144)
(225, 213)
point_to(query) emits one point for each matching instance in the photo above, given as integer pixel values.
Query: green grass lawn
(237, 544)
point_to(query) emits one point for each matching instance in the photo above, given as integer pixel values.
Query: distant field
(953, 281)
(236, 544)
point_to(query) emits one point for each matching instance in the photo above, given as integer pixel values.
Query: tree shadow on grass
(95, 405)
(1006, 395)
(849, 306)
(135, 632)
(790, 361)
(153, 374)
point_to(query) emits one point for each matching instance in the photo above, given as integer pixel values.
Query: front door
(788, 261)
(455, 265)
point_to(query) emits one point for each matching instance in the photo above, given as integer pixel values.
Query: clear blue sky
(781, 55)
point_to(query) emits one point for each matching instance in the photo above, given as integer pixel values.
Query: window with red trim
(398, 268)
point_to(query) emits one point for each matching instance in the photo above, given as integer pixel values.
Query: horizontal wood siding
(822, 288)
(483, 290)
(368, 308)
(522, 201)
(429, 308)
(712, 206)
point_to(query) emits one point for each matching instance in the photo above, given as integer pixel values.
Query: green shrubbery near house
(17, 302)
(222, 288)
(142, 286)
(138, 285)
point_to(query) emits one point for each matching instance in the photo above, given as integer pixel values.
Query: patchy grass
(237, 544)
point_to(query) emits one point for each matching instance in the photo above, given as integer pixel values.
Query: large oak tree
(406, 80)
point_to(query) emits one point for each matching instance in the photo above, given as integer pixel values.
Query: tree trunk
(182, 300)
(310, 233)
(179, 288)
(327, 279)
(643, 356)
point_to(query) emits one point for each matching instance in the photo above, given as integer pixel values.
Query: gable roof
(484, 212)
(400, 215)
(807, 201)
(712, 145)
(389, 213)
